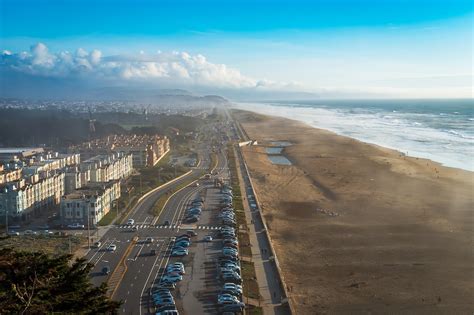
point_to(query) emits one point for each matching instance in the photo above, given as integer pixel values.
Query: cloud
(175, 68)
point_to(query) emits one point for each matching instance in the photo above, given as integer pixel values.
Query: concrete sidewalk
(270, 288)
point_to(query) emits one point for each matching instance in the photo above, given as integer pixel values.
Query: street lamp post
(88, 229)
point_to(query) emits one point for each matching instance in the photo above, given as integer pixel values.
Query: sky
(242, 49)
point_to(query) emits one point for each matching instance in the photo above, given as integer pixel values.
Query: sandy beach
(363, 229)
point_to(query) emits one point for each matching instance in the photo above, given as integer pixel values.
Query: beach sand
(359, 228)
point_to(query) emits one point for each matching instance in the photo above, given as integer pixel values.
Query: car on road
(149, 240)
(105, 270)
(13, 233)
(97, 244)
(207, 238)
(29, 232)
(47, 233)
(130, 222)
(112, 248)
(167, 223)
(153, 252)
(76, 226)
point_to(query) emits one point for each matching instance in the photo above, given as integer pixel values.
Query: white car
(97, 244)
(76, 226)
(29, 232)
(112, 248)
(130, 222)
(208, 238)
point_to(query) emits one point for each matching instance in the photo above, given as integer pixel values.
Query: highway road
(135, 269)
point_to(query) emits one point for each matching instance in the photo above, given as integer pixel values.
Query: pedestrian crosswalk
(173, 226)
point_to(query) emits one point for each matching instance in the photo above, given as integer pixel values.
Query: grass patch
(54, 244)
(253, 310)
(108, 218)
(244, 245)
(250, 280)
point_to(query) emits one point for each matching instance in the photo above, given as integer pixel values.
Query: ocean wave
(427, 137)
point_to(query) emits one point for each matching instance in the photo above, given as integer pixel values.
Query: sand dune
(360, 228)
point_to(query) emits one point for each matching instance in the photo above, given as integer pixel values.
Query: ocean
(440, 130)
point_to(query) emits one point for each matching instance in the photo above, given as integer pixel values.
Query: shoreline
(361, 228)
(366, 139)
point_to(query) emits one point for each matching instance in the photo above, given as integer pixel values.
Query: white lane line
(148, 278)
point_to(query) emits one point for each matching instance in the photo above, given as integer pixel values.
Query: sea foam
(442, 131)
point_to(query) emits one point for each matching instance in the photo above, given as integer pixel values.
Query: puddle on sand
(273, 150)
(279, 160)
(280, 143)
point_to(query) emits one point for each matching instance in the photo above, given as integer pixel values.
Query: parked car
(172, 278)
(191, 233)
(191, 219)
(29, 232)
(76, 226)
(234, 308)
(97, 244)
(227, 299)
(149, 240)
(179, 252)
(232, 287)
(13, 233)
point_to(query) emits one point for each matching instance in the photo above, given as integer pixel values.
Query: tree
(36, 283)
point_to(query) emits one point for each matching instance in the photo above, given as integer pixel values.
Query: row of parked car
(194, 211)
(229, 298)
(173, 273)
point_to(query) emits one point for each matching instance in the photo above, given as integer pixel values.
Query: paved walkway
(271, 291)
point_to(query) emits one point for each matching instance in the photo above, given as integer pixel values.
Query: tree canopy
(36, 283)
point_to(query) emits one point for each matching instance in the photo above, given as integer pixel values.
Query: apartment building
(7, 176)
(146, 150)
(103, 168)
(27, 196)
(89, 204)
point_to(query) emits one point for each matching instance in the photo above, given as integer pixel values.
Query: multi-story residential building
(50, 161)
(28, 196)
(89, 204)
(146, 150)
(75, 179)
(104, 168)
(9, 175)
